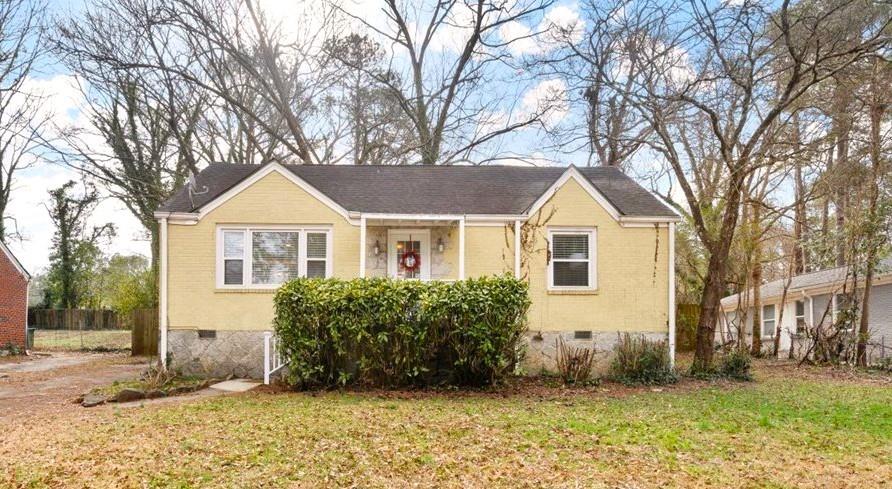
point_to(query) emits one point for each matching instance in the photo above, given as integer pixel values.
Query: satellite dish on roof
(194, 189)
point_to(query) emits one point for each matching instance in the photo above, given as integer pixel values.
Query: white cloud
(549, 98)
(558, 26)
(534, 159)
(522, 39)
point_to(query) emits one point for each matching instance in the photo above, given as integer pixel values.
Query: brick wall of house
(13, 303)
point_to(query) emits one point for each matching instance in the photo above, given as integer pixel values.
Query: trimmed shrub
(383, 332)
(736, 365)
(639, 361)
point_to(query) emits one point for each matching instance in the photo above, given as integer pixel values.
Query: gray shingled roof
(431, 189)
(811, 280)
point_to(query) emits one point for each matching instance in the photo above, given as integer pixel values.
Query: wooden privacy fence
(144, 333)
(686, 316)
(74, 319)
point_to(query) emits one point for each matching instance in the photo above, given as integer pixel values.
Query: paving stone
(92, 399)
(128, 395)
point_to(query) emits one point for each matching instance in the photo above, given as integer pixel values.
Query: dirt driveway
(45, 383)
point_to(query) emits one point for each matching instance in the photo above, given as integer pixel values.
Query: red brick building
(13, 299)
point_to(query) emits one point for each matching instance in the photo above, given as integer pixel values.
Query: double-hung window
(266, 257)
(572, 259)
(768, 321)
(800, 317)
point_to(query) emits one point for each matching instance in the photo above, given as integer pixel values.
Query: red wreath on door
(411, 261)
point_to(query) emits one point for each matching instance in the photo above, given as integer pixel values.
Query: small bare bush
(574, 363)
(639, 361)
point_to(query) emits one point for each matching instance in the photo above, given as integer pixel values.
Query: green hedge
(383, 332)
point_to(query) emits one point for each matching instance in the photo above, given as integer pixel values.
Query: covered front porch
(415, 246)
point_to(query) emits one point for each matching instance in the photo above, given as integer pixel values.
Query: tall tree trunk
(877, 110)
(713, 290)
(841, 189)
(756, 231)
(799, 216)
(825, 210)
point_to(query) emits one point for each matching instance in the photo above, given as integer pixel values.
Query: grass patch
(777, 432)
(87, 340)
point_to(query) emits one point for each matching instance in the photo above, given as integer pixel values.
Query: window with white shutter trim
(317, 254)
(572, 259)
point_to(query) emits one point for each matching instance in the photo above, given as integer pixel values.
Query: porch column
(517, 248)
(461, 248)
(362, 246)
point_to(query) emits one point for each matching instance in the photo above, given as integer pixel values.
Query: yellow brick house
(596, 248)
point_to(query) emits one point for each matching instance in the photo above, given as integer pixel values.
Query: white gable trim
(626, 221)
(15, 262)
(263, 172)
(574, 174)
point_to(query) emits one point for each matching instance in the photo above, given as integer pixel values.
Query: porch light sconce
(440, 245)
(377, 249)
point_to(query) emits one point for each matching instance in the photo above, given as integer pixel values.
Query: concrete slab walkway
(236, 385)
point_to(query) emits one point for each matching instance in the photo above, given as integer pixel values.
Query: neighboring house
(229, 240)
(811, 299)
(13, 300)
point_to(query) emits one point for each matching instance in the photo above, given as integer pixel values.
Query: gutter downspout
(162, 294)
(517, 229)
(671, 294)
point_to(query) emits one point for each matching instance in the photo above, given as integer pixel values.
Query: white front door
(404, 248)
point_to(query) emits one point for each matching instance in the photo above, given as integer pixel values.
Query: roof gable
(15, 262)
(573, 174)
(258, 175)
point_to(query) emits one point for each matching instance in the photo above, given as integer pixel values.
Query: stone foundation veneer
(541, 354)
(238, 353)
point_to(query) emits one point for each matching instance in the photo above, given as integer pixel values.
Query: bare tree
(876, 101)
(22, 115)
(143, 139)
(380, 132)
(446, 90)
(735, 70)
(598, 70)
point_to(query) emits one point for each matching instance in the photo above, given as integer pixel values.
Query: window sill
(572, 291)
(245, 291)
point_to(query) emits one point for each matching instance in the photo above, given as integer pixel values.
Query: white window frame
(248, 265)
(773, 320)
(797, 316)
(592, 258)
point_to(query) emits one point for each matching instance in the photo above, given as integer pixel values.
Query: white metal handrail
(272, 357)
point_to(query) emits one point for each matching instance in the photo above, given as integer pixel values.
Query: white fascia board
(412, 217)
(15, 262)
(495, 217)
(574, 173)
(259, 174)
(182, 218)
(649, 219)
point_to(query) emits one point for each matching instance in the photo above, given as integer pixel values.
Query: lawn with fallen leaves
(790, 428)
